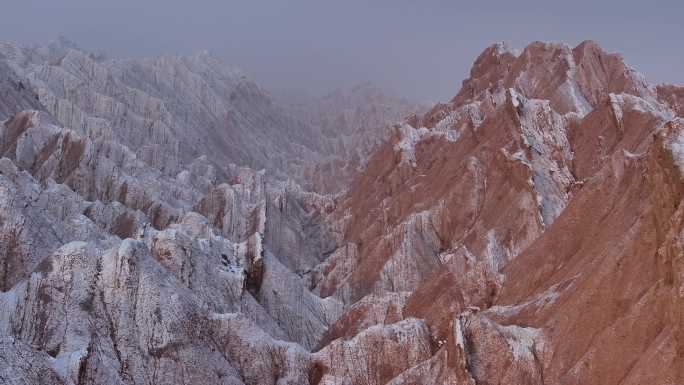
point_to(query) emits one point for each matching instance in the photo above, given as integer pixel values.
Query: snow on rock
(496, 256)
(570, 90)
(509, 353)
(523, 341)
(673, 96)
(373, 309)
(503, 47)
(621, 102)
(674, 141)
(410, 137)
(21, 364)
(544, 299)
(376, 355)
(458, 120)
(403, 271)
(544, 133)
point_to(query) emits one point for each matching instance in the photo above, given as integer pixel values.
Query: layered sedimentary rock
(168, 110)
(16, 93)
(172, 110)
(477, 211)
(529, 231)
(72, 285)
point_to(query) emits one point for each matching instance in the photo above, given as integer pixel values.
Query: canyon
(168, 221)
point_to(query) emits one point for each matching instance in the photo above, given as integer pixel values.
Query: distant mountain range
(169, 221)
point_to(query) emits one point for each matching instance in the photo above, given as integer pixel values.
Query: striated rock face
(72, 289)
(172, 110)
(529, 231)
(480, 211)
(16, 94)
(673, 96)
(168, 110)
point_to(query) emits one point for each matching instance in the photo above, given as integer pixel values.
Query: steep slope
(67, 203)
(605, 280)
(529, 231)
(172, 110)
(168, 110)
(516, 219)
(15, 95)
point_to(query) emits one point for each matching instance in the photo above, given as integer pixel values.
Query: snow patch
(458, 333)
(72, 248)
(411, 136)
(543, 131)
(8, 302)
(68, 362)
(675, 144)
(502, 48)
(258, 247)
(494, 254)
(570, 91)
(632, 155)
(622, 102)
(522, 341)
(222, 316)
(617, 108)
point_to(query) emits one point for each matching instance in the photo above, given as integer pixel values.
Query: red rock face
(609, 298)
(672, 96)
(572, 79)
(539, 225)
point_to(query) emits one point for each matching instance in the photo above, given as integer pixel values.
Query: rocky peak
(573, 79)
(453, 207)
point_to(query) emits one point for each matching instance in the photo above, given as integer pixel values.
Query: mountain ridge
(518, 234)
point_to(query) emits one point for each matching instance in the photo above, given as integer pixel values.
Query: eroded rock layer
(529, 231)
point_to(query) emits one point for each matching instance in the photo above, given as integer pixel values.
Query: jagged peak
(589, 45)
(575, 80)
(503, 47)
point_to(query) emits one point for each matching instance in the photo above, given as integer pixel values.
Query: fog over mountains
(419, 50)
(168, 220)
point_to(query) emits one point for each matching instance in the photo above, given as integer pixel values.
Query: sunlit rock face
(166, 221)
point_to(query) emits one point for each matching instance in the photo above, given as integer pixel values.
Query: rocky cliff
(529, 231)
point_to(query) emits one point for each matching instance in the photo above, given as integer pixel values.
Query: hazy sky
(419, 49)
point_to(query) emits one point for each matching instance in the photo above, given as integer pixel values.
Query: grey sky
(421, 50)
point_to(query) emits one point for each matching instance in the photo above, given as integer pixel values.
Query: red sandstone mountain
(529, 231)
(533, 225)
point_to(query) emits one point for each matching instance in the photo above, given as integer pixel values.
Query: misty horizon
(420, 52)
(226, 192)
